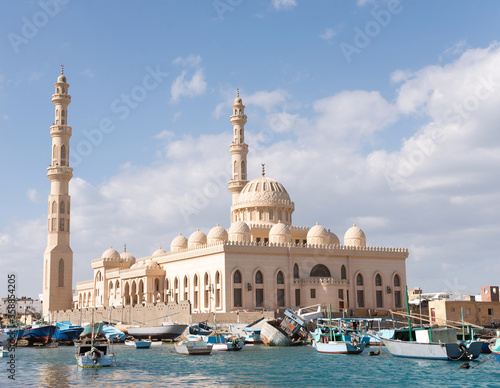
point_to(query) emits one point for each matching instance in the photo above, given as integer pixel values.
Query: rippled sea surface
(254, 366)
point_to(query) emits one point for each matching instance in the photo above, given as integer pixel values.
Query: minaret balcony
(238, 147)
(61, 98)
(57, 128)
(59, 171)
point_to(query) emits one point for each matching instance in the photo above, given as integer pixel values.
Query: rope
(483, 360)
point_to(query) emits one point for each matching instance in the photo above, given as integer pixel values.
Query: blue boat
(66, 331)
(13, 333)
(113, 334)
(39, 333)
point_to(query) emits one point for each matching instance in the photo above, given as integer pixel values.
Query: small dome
(237, 101)
(217, 233)
(355, 237)
(110, 254)
(264, 191)
(280, 234)
(125, 256)
(159, 252)
(197, 239)
(279, 229)
(239, 227)
(151, 264)
(240, 232)
(61, 78)
(318, 235)
(334, 240)
(178, 243)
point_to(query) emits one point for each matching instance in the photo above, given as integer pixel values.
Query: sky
(375, 112)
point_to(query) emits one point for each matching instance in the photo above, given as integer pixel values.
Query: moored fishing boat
(65, 331)
(95, 328)
(140, 344)
(495, 349)
(94, 356)
(112, 334)
(219, 342)
(286, 331)
(4, 352)
(194, 348)
(167, 331)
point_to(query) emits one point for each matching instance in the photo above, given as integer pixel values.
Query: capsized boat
(168, 330)
(94, 355)
(194, 348)
(286, 331)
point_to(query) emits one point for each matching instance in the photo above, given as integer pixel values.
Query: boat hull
(98, 356)
(194, 348)
(42, 334)
(271, 336)
(340, 347)
(67, 334)
(167, 332)
(433, 351)
(88, 361)
(497, 355)
(143, 344)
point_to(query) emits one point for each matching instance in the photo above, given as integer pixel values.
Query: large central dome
(263, 200)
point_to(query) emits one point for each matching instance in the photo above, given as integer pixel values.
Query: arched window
(378, 281)
(62, 207)
(60, 282)
(359, 280)
(258, 278)
(186, 288)
(280, 279)
(63, 155)
(195, 280)
(235, 166)
(63, 113)
(54, 207)
(243, 170)
(207, 291)
(343, 273)
(54, 152)
(397, 281)
(271, 215)
(237, 277)
(320, 271)
(295, 271)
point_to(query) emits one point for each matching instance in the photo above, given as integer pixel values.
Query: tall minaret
(238, 149)
(58, 257)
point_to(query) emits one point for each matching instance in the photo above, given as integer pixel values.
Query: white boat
(4, 352)
(140, 344)
(221, 343)
(435, 344)
(167, 330)
(340, 347)
(94, 356)
(194, 348)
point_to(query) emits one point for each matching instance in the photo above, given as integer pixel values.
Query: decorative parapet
(322, 281)
(87, 284)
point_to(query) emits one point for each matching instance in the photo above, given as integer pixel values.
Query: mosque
(262, 261)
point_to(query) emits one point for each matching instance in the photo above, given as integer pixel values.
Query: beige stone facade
(478, 313)
(261, 261)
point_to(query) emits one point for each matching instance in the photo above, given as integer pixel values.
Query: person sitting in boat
(355, 325)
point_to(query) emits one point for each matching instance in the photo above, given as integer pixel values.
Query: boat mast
(408, 310)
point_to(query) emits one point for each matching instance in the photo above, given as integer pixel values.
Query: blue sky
(382, 113)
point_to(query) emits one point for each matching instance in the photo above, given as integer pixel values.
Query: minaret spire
(58, 257)
(238, 150)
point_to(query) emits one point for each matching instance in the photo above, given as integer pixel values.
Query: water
(254, 366)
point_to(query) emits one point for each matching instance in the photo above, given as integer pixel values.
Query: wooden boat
(194, 348)
(140, 344)
(95, 328)
(219, 342)
(286, 331)
(495, 349)
(65, 331)
(340, 347)
(94, 356)
(39, 333)
(167, 330)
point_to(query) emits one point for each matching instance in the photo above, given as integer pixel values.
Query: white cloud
(196, 86)
(33, 195)
(398, 76)
(191, 61)
(330, 33)
(87, 73)
(284, 4)
(34, 76)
